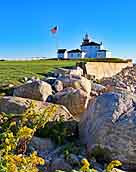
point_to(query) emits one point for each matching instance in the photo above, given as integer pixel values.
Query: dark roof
(90, 43)
(61, 50)
(102, 50)
(75, 51)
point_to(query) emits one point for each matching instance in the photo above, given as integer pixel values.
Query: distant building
(62, 54)
(89, 49)
(72, 54)
(104, 54)
(75, 54)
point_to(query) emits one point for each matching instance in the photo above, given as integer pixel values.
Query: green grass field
(13, 71)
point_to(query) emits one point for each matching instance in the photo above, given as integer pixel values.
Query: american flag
(54, 29)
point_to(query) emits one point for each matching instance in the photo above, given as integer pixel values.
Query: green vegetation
(59, 131)
(16, 132)
(13, 71)
(100, 153)
(111, 60)
(84, 168)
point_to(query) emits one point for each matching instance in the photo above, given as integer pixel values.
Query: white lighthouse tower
(89, 47)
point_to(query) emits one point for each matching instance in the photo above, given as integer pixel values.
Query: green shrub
(59, 131)
(100, 154)
(16, 132)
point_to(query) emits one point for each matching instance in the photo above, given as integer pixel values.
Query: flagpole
(56, 41)
(54, 34)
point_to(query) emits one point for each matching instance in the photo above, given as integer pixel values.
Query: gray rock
(75, 100)
(58, 85)
(49, 80)
(73, 160)
(37, 90)
(77, 83)
(41, 144)
(75, 72)
(117, 170)
(125, 79)
(18, 105)
(97, 87)
(109, 125)
(97, 166)
(60, 164)
(52, 74)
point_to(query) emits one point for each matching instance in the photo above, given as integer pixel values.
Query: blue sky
(25, 26)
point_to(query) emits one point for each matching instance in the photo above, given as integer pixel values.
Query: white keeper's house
(88, 49)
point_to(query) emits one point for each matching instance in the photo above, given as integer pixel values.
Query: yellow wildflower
(114, 163)
(12, 123)
(86, 164)
(25, 132)
(7, 141)
(41, 161)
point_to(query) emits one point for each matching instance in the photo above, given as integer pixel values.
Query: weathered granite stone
(75, 100)
(18, 105)
(37, 90)
(110, 125)
(73, 71)
(41, 144)
(77, 83)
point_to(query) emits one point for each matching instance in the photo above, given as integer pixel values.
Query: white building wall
(91, 51)
(74, 55)
(83, 54)
(65, 55)
(108, 54)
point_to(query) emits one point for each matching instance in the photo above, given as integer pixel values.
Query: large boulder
(109, 126)
(75, 100)
(18, 105)
(76, 72)
(37, 90)
(77, 83)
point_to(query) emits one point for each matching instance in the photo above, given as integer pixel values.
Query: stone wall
(105, 69)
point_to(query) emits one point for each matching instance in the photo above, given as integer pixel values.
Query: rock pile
(107, 121)
(125, 79)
